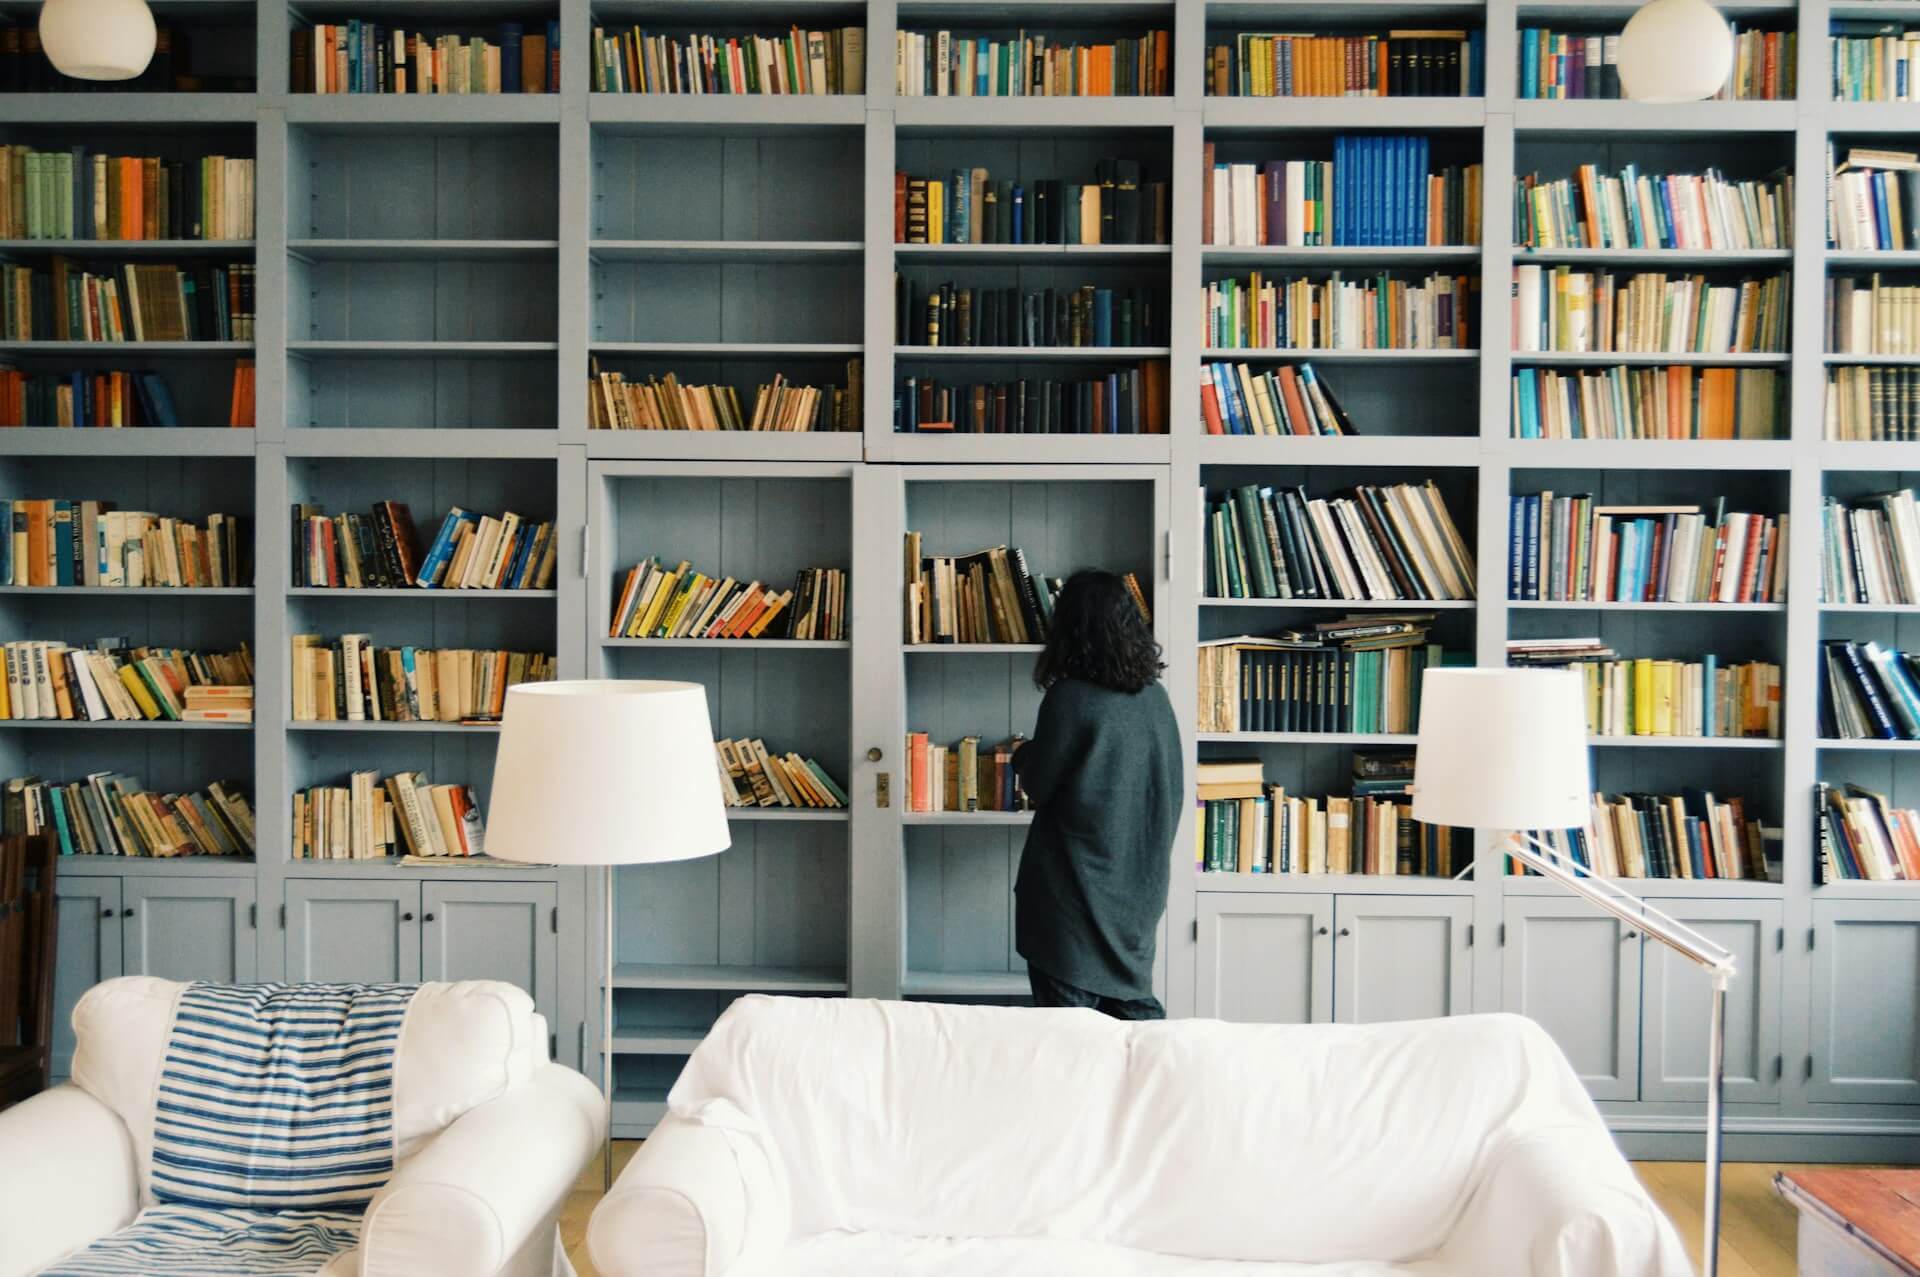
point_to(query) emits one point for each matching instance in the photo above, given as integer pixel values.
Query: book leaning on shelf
(1246, 825)
(954, 64)
(1126, 401)
(752, 777)
(1870, 549)
(662, 403)
(371, 819)
(989, 596)
(72, 194)
(1871, 402)
(1339, 313)
(1559, 308)
(680, 603)
(970, 206)
(1376, 191)
(1642, 696)
(380, 550)
(1679, 401)
(1585, 64)
(362, 56)
(1632, 209)
(1873, 200)
(108, 399)
(129, 302)
(1392, 541)
(1357, 675)
(965, 776)
(57, 542)
(1289, 400)
(1868, 691)
(1570, 549)
(1087, 316)
(1861, 836)
(351, 680)
(112, 682)
(1873, 61)
(813, 62)
(113, 814)
(1686, 835)
(1867, 317)
(1403, 62)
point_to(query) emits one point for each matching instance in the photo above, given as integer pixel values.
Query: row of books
(1090, 316)
(1691, 834)
(1125, 401)
(1873, 200)
(1319, 680)
(1643, 696)
(1862, 836)
(25, 68)
(1872, 403)
(1632, 209)
(679, 603)
(1868, 691)
(832, 60)
(87, 398)
(1376, 191)
(1675, 402)
(1573, 549)
(1288, 400)
(750, 776)
(73, 194)
(1439, 312)
(351, 680)
(1870, 549)
(372, 819)
(380, 550)
(362, 56)
(1585, 64)
(1868, 317)
(1381, 542)
(1246, 825)
(963, 776)
(970, 206)
(1873, 61)
(112, 682)
(129, 302)
(1398, 63)
(929, 64)
(663, 403)
(113, 814)
(1559, 308)
(57, 542)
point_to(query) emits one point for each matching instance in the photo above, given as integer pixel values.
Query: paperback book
(1570, 548)
(113, 814)
(965, 776)
(112, 681)
(65, 543)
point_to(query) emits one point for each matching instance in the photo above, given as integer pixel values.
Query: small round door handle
(874, 755)
(1630, 935)
(407, 916)
(106, 913)
(426, 917)
(1322, 931)
(126, 913)
(1346, 931)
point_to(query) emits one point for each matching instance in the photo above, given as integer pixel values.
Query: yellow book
(682, 597)
(662, 597)
(137, 688)
(1642, 697)
(936, 212)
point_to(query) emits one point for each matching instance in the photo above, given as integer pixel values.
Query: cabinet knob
(874, 755)
(1346, 931)
(426, 917)
(126, 913)
(1321, 932)
(407, 916)
(1630, 935)
(106, 913)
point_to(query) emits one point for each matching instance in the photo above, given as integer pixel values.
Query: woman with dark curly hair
(1103, 770)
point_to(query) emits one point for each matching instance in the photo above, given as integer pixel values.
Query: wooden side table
(1856, 1223)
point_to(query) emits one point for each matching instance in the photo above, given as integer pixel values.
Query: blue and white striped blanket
(272, 1131)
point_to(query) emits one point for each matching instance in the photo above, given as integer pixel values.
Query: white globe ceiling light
(1675, 51)
(97, 39)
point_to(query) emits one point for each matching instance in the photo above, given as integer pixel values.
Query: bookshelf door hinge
(1166, 556)
(1809, 1076)
(253, 917)
(553, 919)
(1469, 935)
(1779, 1067)
(1809, 939)
(283, 917)
(585, 540)
(1196, 929)
(553, 1045)
(1780, 940)
(1503, 935)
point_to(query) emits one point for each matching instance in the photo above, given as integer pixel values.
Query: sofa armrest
(66, 1178)
(705, 1196)
(489, 1185)
(1562, 1202)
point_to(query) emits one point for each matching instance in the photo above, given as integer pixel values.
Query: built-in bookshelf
(438, 282)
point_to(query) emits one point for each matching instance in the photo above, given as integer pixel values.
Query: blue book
(1103, 317)
(1342, 189)
(510, 35)
(353, 55)
(1529, 61)
(63, 513)
(1516, 548)
(1663, 213)
(1368, 191)
(1423, 165)
(959, 189)
(57, 799)
(1477, 64)
(441, 550)
(1019, 216)
(1636, 233)
(1533, 547)
(1643, 561)
(1227, 387)
(522, 545)
(1709, 700)
(164, 413)
(1882, 224)
(1529, 403)
(982, 64)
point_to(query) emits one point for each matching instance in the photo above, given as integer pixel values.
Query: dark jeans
(1049, 992)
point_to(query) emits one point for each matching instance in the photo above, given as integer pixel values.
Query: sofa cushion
(188, 1241)
(838, 1254)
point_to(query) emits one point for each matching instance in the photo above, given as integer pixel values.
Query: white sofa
(809, 1137)
(489, 1137)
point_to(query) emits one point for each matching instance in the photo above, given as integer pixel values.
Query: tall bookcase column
(877, 280)
(574, 270)
(270, 300)
(877, 787)
(581, 908)
(272, 550)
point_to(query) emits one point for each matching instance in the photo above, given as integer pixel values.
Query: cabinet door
(1866, 1003)
(1677, 1005)
(88, 952)
(1266, 959)
(1577, 972)
(353, 932)
(191, 929)
(1401, 958)
(494, 931)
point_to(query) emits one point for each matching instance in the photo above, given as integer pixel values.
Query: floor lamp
(1507, 749)
(606, 772)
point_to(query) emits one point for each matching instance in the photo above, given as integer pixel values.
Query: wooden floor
(1756, 1234)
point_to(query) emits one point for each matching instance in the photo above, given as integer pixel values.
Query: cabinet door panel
(195, 929)
(1401, 958)
(88, 952)
(494, 931)
(1866, 1003)
(353, 932)
(1678, 1002)
(1577, 973)
(1266, 959)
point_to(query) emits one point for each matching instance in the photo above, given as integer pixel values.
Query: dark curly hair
(1098, 636)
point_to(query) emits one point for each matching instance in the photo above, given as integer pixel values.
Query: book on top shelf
(65, 543)
(1570, 548)
(1360, 675)
(1873, 61)
(1635, 209)
(1120, 205)
(1026, 64)
(363, 56)
(1375, 312)
(750, 776)
(812, 62)
(1399, 63)
(1870, 549)
(1245, 825)
(1644, 696)
(680, 603)
(112, 814)
(1561, 65)
(1868, 691)
(1691, 834)
(966, 776)
(663, 403)
(351, 680)
(74, 194)
(1559, 308)
(1861, 836)
(115, 682)
(1679, 401)
(130, 302)
(1380, 542)
(373, 819)
(1376, 191)
(989, 596)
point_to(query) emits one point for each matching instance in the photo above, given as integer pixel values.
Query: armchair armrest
(705, 1196)
(1562, 1202)
(66, 1178)
(489, 1186)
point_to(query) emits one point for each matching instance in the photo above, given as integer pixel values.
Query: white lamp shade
(1675, 51)
(97, 39)
(606, 772)
(1502, 749)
